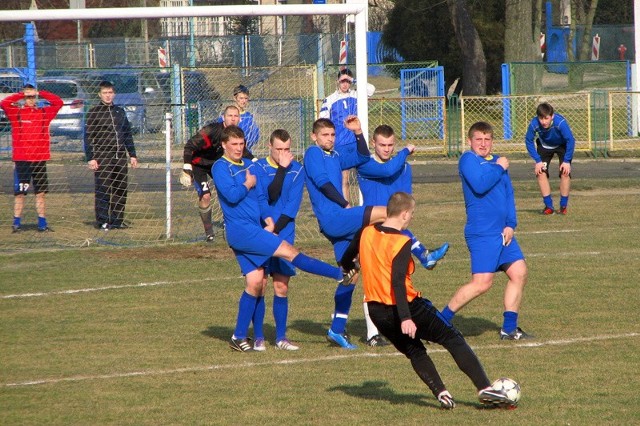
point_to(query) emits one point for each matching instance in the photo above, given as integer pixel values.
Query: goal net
(164, 106)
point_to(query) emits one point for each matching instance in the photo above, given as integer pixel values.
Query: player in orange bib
(400, 312)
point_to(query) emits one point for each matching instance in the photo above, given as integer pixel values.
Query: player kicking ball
(400, 312)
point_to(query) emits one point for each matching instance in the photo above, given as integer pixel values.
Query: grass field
(139, 336)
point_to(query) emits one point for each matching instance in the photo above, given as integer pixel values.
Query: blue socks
(258, 318)
(42, 222)
(417, 248)
(342, 299)
(447, 314)
(316, 267)
(16, 221)
(564, 201)
(247, 306)
(510, 322)
(548, 201)
(280, 313)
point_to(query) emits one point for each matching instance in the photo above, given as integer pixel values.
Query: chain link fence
(160, 210)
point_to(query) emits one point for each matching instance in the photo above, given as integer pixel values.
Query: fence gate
(425, 118)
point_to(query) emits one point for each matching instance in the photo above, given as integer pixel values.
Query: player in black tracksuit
(200, 152)
(108, 140)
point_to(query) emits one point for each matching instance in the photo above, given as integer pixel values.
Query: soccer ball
(510, 387)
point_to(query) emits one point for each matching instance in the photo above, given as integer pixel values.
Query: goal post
(358, 8)
(157, 208)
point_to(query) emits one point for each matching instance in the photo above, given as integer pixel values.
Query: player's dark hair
(398, 203)
(322, 123)
(383, 130)
(480, 126)
(231, 131)
(345, 71)
(105, 84)
(28, 86)
(544, 110)
(281, 134)
(240, 89)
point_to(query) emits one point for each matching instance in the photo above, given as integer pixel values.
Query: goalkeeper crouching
(200, 152)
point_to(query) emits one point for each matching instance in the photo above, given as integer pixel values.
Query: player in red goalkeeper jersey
(30, 134)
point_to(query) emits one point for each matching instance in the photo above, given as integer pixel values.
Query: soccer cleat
(431, 257)
(377, 340)
(103, 226)
(45, 229)
(340, 339)
(446, 400)
(547, 211)
(349, 277)
(286, 345)
(241, 345)
(259, 345)
(490, 397)
(209, 238)
(121, 226)
(517, 334)
(563, 210)
(15, 229)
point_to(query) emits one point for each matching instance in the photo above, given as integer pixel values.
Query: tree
(474, 64)
(523, 21)
(422, 31)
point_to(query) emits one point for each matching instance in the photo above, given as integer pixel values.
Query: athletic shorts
(488, 255)
(201, 178)
(252, 246)
(546, 155)
(26, 172)
(280, 266)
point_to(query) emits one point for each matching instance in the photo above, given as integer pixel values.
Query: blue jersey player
(549, 134)
(337, 107)
(243, 205)
(281, 179)
(338, 220)
(489, 231)
(247, 120)
(379, 178)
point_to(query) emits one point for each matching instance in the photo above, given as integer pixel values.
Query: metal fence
(281, 97)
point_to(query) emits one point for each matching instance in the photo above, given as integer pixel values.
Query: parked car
(139, 93)
(70, 119)
(9, 83)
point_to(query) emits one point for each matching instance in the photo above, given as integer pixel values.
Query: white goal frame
(358, 8)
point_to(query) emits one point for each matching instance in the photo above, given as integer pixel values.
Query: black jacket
(204, 148)
(108, 134)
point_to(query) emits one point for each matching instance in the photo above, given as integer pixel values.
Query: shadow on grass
(224, 333)
(380, 390)
(474, 326)
(356, 328)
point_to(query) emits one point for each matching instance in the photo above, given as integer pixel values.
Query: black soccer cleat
(241, 345)
(517, 334)
(446, 400)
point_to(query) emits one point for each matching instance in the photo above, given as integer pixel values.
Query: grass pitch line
(205, 368)
(111, 287)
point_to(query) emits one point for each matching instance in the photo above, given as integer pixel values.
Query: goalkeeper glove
(186, 179)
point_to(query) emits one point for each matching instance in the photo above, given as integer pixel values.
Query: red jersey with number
(30, 126)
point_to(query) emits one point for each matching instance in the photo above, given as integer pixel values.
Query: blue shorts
(280, 266)
(253, 246)
(488, 254)
(341, 227)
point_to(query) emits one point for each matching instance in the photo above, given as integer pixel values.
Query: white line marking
(195, 369)
(112, 287)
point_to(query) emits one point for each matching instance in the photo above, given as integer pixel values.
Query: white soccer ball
(510, 387)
